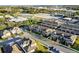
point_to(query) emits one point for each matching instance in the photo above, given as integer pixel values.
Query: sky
(38, 2)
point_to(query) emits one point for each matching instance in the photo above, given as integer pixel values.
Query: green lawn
(41, 48)
(76, 44)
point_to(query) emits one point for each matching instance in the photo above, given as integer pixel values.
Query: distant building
(8, 16)
(18, 19)
(16, 30)
(60, 22)
(43, 16)
(1, 16)
(6, 34)
(48, 30)
(69, 19)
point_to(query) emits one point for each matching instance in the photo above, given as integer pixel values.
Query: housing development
(39, 29)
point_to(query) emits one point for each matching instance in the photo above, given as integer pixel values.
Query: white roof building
(1, 16)
(19, 19)
(43, 16)
(16, 30)
(9, 16)
(6, 34)
(68, 19)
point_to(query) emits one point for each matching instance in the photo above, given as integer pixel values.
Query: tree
(2, 27)
(2, 20)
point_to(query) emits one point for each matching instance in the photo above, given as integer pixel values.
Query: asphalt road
(48, 42)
